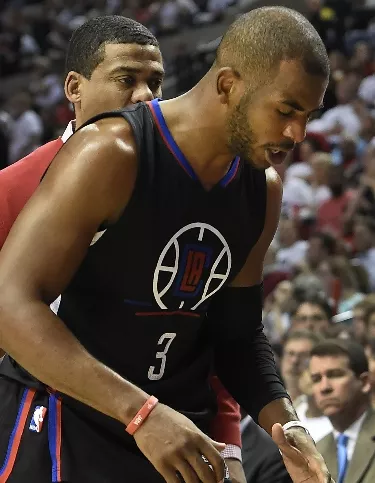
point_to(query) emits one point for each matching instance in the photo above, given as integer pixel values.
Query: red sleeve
(19, 181)
(225, 427)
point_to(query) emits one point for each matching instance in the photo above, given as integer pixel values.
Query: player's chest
(174, 257)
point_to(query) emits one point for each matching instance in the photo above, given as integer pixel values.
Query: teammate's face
(129, 73)
(268, 121)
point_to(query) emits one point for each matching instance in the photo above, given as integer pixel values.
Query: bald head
(258, 41)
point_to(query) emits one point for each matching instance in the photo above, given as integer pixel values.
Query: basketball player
(135, 76)
(147, 236)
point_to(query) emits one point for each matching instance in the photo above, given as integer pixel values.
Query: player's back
(139, 300)
(19, 181)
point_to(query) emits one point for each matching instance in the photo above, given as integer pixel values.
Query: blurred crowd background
(319, 276)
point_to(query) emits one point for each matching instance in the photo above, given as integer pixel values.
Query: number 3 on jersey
(166, 339)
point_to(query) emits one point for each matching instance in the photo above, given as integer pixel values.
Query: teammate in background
(151, 250)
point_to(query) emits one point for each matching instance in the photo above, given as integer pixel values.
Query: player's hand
(301, 458)
(236, 472)
(173, 444)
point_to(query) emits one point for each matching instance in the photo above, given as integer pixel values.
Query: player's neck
(199, 130)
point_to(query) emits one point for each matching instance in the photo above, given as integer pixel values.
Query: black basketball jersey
(139, 299)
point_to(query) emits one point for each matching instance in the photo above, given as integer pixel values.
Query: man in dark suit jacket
(261, 459)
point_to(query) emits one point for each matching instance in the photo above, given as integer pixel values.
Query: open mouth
(275, 156)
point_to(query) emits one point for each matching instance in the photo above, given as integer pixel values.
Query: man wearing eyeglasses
(313, 314)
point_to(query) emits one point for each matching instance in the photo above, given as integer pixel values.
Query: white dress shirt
(68, 132)
(318, 427)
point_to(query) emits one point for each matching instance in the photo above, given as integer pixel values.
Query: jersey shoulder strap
(141, 121)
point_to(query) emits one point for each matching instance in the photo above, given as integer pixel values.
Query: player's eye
(128, 81)
(285, 114)
(155, 84)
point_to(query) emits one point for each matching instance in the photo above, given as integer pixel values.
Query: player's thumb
(279, 437)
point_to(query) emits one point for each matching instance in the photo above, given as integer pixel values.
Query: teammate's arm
(89, 183)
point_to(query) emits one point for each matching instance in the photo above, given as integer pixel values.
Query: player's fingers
(170, 475)
(188, 475)
(286, 448)
(214, 458)
(278, 436)
(209, 469)
(202, 469)
(219, 446)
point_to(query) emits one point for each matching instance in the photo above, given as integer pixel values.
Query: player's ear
(227, 83)
(72, 87)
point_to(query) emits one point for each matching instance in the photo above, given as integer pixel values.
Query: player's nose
(142, 93)
(295, 131)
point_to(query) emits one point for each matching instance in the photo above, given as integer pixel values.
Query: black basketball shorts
(44, 441)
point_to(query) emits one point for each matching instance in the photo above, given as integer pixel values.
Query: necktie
(342, 456)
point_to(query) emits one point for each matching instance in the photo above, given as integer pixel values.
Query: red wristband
(142, 415)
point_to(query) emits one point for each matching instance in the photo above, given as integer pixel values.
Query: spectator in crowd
(330, 214)
(26, 130)
(342, 391)
(307, 149)
(359, 327)
(363, 203)
(322, 246)
(295, 358)
(370, 353)
(313, 314)
(343, 118)
(276, 318)
(340, 282)
(364, 243)
(308, 412)
(291, 250)
(369, 319)
(320, 165)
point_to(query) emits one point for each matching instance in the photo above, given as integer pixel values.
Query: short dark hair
(315, 298)
(259, 40)
(327, 240)
(86, 46)
(303, 335)
(358, 362)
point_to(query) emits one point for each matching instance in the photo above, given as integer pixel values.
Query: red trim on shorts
(16, 435)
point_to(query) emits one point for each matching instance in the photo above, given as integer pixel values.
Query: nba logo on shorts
(36, 422)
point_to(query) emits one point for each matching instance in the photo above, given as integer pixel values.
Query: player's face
(129, 73)
(267, 123)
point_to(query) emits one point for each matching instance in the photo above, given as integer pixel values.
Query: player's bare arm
(80, 191)
(89, 183)
(301, 458)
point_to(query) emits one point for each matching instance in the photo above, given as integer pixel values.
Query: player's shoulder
(107, 130)
(109, 139)
(274, 184)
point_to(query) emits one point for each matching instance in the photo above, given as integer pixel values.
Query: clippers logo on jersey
(195, 259)
(37, 420)
(194, 265)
